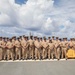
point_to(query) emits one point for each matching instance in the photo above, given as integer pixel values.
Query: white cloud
(41, 17)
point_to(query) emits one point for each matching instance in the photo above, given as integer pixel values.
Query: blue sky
(40, 17)
(20, 1)
(56, 2)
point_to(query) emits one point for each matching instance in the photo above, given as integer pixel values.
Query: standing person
(37, 48)
(51, 50)
(57, 47)
(45, 48)
(18, 48)
(24, 48)
(54, 41)
(46, 52)
(9, 47)
(1, 50)
(31, 47)
(60, 47)
(4, 50)
(7, 50)
(20, 39)
(27, 48)
(23, 44)
(71, 43)
(41, 48)
(64, 47)
(74, 44)
(14, 48)
(67, 47)
(35, 38)
(49, 38)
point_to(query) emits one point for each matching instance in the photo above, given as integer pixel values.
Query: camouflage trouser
(0, 53)
(18, 53)
(64, 51)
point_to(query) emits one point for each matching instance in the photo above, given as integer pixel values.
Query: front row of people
(22, 48)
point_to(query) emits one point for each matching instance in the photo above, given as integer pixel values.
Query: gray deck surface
(38, 68)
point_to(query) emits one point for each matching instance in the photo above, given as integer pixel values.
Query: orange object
(71, 53)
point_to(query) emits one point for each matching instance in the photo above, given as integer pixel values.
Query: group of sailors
(25, 48)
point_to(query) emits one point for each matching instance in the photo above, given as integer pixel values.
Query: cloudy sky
(40, 17)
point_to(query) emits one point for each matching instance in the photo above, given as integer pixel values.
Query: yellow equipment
(71, 53)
